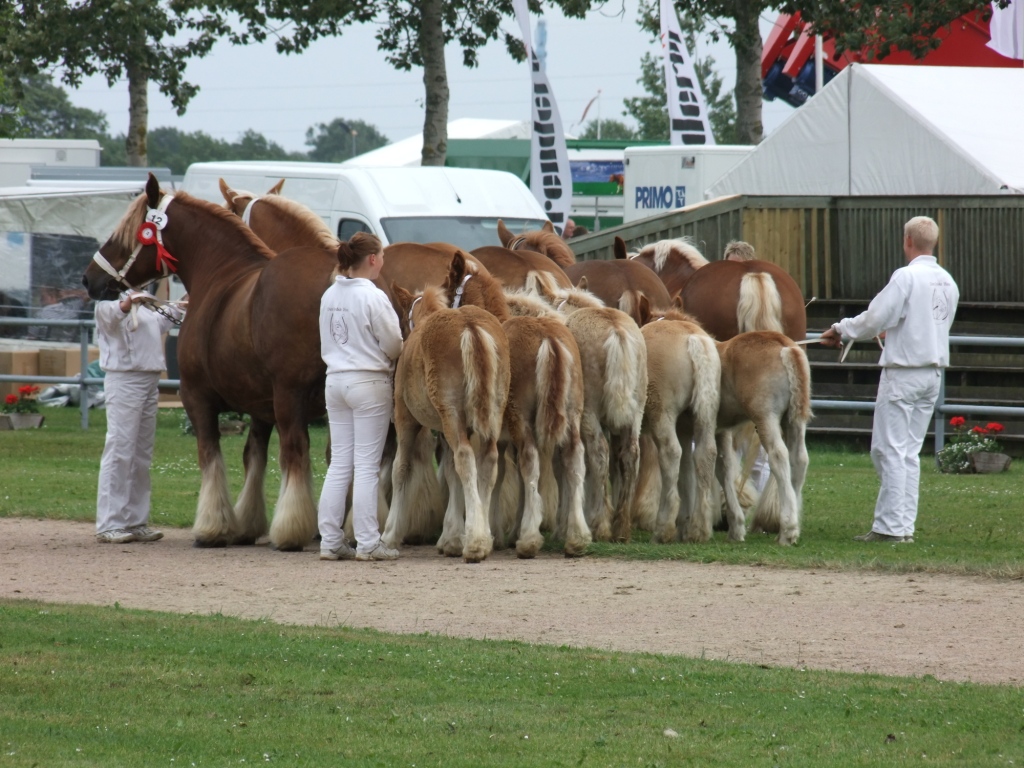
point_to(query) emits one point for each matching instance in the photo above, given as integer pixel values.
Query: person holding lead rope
(130, 339)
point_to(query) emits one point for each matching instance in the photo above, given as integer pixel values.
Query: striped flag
(687, 109)
(550, 177)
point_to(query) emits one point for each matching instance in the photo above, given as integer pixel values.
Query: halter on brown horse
(728, 297)
(249, 343)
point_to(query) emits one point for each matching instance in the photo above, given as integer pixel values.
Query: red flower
(11, 399)
(979, 430)
(27, 390)
(957, 421)
(994, 427)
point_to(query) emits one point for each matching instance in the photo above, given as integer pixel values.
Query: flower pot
(23, 420)
(985, 463)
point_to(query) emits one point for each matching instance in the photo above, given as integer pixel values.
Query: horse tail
(624, 362)
(794, 360)
(554, 373)
(707, 369)
(760, 306)
(482, 366)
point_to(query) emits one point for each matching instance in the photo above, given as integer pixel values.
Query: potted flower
(21, 410)
(972, 449)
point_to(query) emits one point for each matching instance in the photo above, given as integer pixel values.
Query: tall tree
(412, 33)
(142, 40)
(341, 139)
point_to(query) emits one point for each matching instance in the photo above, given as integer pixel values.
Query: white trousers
(904, 405)
(122, 499)
(359, 410)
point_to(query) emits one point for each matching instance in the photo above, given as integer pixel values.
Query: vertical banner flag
(550, 177)
(1006, 29)
(687, 110)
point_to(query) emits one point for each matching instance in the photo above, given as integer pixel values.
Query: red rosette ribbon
(148, 236)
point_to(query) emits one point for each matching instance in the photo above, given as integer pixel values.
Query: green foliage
(47, 113)
(10, 123)
(333, 142)
(115, 687)
(968, 523)
(614, 130)
(23, 402)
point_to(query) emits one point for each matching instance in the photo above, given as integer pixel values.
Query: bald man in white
(915, 311)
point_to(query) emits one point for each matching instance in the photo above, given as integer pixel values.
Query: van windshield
(465, 232)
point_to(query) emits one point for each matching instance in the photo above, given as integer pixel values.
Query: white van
(421, 205)
(661, 179)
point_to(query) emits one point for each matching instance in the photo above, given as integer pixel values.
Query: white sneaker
(343, 552)
(379, 552)
(145, 533)
(115, 536)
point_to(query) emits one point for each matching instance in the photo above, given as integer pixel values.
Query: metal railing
(942, 408)
(85, 332)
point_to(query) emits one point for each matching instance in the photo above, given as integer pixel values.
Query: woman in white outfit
(360, 340)
(132, 357)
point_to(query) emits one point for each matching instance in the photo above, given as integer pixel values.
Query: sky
(279, 96)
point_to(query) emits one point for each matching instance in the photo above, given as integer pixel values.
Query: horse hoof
(218, 543)
(244, 541)
(287, 547)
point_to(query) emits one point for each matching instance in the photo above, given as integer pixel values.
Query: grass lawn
(967, 524)
(109, 687)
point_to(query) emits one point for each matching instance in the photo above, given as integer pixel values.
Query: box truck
(423, 205)
(660, 179)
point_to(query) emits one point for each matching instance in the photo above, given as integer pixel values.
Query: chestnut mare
(728, 297)
(544, 241)
(250, 343)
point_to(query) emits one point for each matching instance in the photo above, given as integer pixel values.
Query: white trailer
(660, 179)
(17, 156)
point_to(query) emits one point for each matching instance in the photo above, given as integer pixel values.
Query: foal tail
(707, 367)
(760, 306)
(554, 374)
(794, 360)
(484, 387)
(624, 362)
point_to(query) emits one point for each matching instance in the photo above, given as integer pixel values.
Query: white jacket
(915, 310)
(123, 348)
(359, 329)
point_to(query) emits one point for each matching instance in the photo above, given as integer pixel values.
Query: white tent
(881, 129)
(407, 152)
(90, 209)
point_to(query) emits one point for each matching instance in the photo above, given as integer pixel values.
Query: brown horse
(542, 418)
(452, 376)
(544, 241)
(728, 297)
(515, 268)
(621, 283)
(250, 343)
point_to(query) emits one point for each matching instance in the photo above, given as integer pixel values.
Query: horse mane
(434, 298)
(552, 246)
(682, 248)
(224, 215)
(128, 227)
(525, 304)
(578, 297)
(306, 218)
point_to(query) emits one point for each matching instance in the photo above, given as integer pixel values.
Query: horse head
(414, 308)
(544, 241)
(134, 254)
(469, 284)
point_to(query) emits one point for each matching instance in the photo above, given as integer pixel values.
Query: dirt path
(949, 627)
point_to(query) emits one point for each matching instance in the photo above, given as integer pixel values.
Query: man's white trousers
(904, 405)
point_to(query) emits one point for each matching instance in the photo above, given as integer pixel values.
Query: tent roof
(68, 210)
(895, 130)
(407, 152)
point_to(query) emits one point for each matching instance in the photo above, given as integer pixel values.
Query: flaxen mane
(126, 230)
(660, 251)
(306, 218)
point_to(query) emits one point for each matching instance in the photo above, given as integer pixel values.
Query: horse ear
(276, 189)
(548, 227)
(677, 301)
(402, 296)
(153, 194)
(582, 284)
(228, 192)
(643, 310)
(620, 248)
(504, 236)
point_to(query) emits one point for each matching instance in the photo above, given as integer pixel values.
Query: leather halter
(158, 217)
(411, 308)
(460, 290)
(516, 242)
(247, 213)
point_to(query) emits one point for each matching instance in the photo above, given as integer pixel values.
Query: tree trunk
(747, 43)
(435, 83)
(138, 116)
